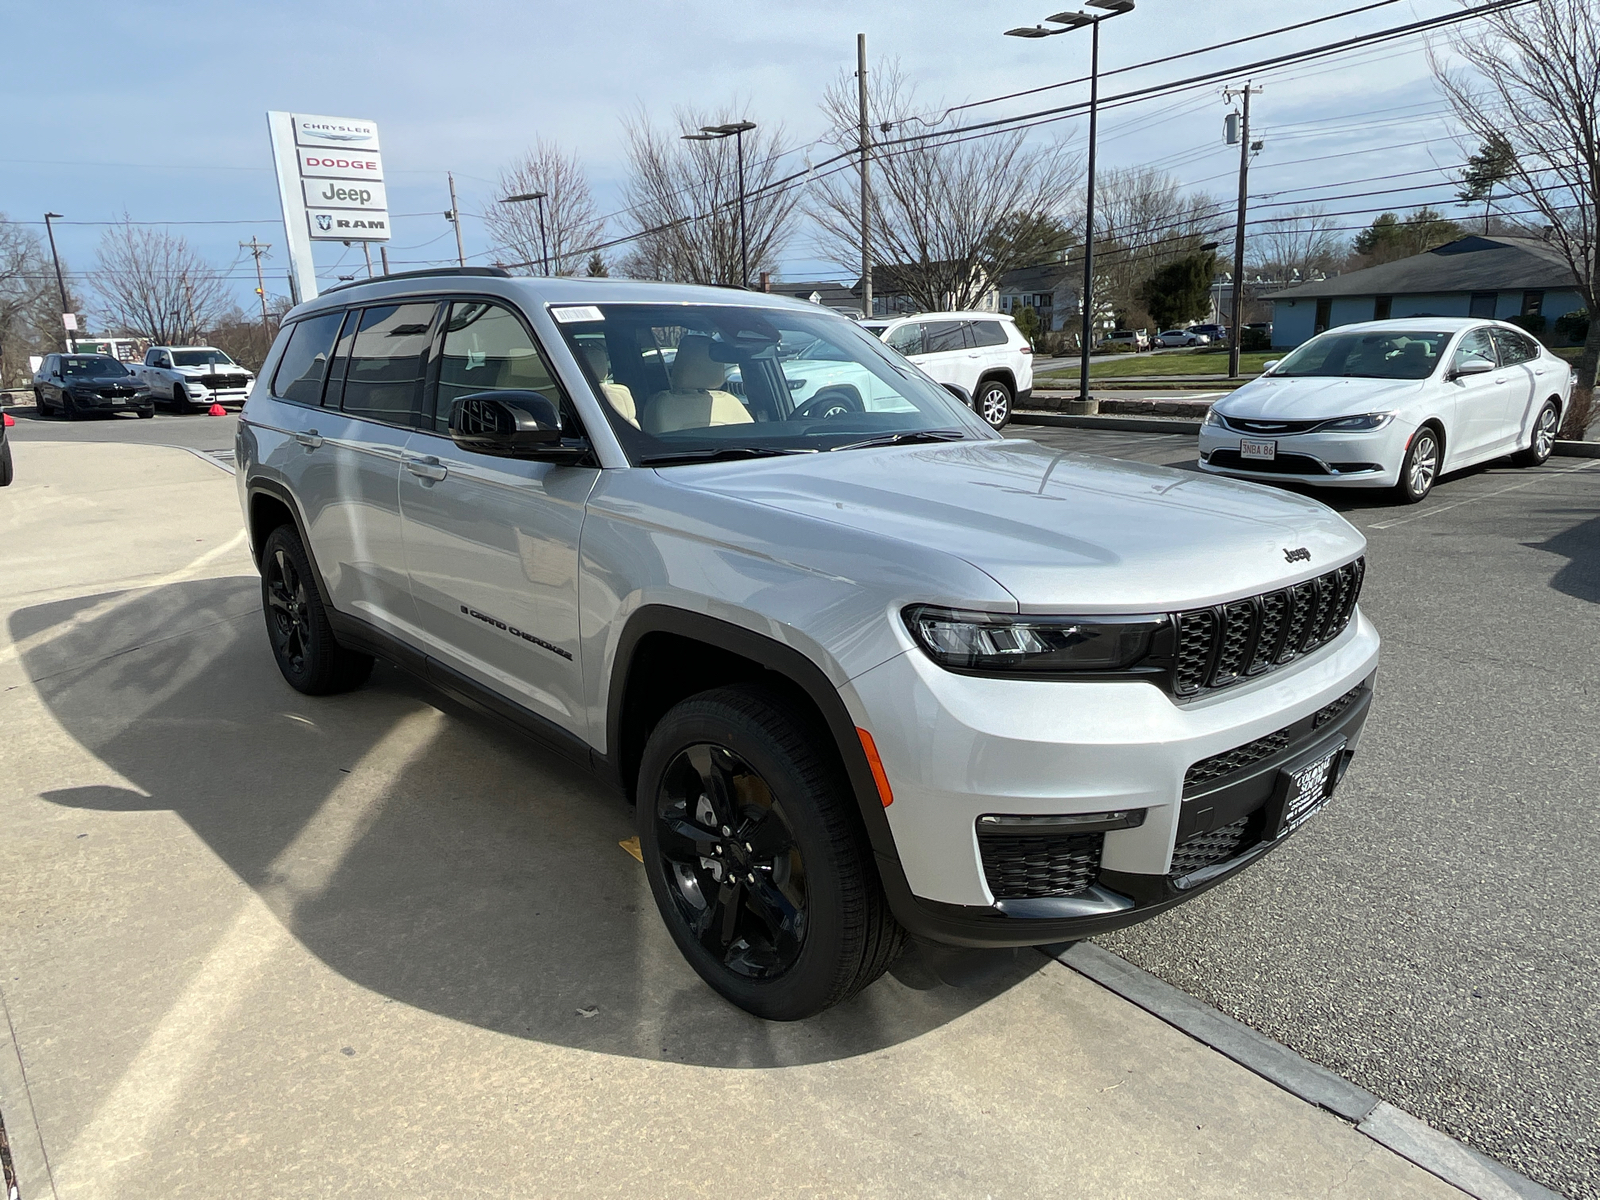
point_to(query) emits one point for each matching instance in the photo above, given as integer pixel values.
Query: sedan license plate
(1263, 451)
(119, 400)
(1308, 789)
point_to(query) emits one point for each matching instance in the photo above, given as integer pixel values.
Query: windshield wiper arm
(718, 454)
(902, 439)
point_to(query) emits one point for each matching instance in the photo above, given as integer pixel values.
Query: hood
(1060, 532)
(1315, 398)
(105, 381)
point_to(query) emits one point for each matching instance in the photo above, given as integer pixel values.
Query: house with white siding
(1474, 276)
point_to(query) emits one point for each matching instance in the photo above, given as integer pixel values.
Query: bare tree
(152, 285)
(949, 214)
(683, 200)
(30, 305)
(572, 223)
(1530, 77)
(1299, 243)
(1144, 220)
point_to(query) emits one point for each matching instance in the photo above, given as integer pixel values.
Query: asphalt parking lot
(1429, 936)
(1432, 935)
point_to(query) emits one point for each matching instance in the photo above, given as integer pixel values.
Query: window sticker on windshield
(573, 313)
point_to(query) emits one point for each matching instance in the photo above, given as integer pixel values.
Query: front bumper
(96, 403)
(1322, 459)
(958, 747)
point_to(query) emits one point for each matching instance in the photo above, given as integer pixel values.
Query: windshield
(90, 366)
(688, 382)
(1390, 354)
(200, 358)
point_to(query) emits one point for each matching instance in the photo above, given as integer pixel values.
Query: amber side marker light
(885, 792)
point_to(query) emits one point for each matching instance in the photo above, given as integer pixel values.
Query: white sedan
(1392, 404)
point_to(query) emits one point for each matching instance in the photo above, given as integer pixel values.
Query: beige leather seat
(696, 399)
(617, 395)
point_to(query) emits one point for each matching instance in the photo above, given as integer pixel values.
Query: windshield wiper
(903, 439)
(720, 454)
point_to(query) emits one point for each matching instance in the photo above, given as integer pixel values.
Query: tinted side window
(487, 349)
(1514, 348)
(304, 364)
(1475, 343)
(384, 378)
(945, 335)
(907, 339)
(989, 333)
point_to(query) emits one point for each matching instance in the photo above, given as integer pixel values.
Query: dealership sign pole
(330, 183)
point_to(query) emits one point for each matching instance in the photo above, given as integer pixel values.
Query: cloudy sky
(157, 110)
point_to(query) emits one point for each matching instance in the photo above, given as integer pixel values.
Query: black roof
(1469, 264)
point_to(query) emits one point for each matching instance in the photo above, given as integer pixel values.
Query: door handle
(1499, 378)
(429, 468)
(308, 438)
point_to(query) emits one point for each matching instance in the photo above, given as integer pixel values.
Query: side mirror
(960, 393)
(1266, 367)
(512, 424)
(1471, 364)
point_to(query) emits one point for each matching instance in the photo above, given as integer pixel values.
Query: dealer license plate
(119, 400)
(1262, 451)
(1309, 789)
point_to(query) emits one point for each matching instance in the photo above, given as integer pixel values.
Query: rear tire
(756, 857)
(993, 402)
(1545, 427)
(307, 653)
(1420, 467)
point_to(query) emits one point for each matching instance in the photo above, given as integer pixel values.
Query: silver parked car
(875, 677)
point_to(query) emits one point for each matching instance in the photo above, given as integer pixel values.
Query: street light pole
(1068, 21)
(61, 287)
(735, 130)
(544, 246)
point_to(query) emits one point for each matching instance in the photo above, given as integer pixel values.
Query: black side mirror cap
(960, 393)
(511, 424)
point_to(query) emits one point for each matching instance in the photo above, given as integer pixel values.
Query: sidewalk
(258, 944)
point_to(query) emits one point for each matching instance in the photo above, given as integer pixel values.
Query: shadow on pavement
(486, 883)
(1580, 544)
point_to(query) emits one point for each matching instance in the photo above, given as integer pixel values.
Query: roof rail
(493, 272)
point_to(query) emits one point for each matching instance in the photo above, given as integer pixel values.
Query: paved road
(193, 431)
(1432, 936)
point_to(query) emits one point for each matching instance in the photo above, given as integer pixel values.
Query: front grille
(1236, 759)
(1207, 849)
(1275, 427)
(1276, 742)
(223, 381)
(1031, 868)
(1216, 644)
(1283, 464)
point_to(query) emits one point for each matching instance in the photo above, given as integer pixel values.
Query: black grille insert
(1031, 867)
(1219, 646)
(1209, 848)
(1247, 755)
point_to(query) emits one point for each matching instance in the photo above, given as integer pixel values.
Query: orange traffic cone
(216, 410)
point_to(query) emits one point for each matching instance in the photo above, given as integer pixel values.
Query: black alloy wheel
(756, 857)
(1545, 428)
(69, 407)
(308, 655)
(994, 402)
(39, 405)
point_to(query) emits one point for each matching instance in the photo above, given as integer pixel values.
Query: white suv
(982, 353)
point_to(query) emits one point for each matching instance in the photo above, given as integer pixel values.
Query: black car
(75, 384)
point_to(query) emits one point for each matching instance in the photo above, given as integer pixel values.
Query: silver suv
(876, 678)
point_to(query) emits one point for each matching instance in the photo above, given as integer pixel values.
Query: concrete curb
(1125, 424)
(28, 1157)
(1570, 449)
(1437, 1153)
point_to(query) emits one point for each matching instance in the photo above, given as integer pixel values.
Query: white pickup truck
(188, 376)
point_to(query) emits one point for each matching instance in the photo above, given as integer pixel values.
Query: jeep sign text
(344, 193)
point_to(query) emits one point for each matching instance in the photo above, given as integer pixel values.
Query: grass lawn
(1186, 362)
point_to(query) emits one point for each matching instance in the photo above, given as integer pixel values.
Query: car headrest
(693, 369)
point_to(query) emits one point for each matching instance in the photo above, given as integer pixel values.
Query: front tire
(180, 399)
(755, 855)
(993, 402)
(1545, 427)
(307, 653)
(69, 407)
(1420, 467)
(39, 405)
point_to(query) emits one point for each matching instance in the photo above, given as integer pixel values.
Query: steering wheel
(830, 402)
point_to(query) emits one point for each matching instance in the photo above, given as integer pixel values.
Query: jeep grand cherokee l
(871, 673)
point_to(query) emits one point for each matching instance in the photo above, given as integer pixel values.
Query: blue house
(1499, 276)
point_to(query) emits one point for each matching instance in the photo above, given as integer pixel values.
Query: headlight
(1363, 423)
(1212, 417)
(1020, 644)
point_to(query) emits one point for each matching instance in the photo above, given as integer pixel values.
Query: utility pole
(60, 286)
(383, 253)
(866, 192)
(454, 217)
(366, 249)
(188, 297)
(259, 249)
(1236, 315)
